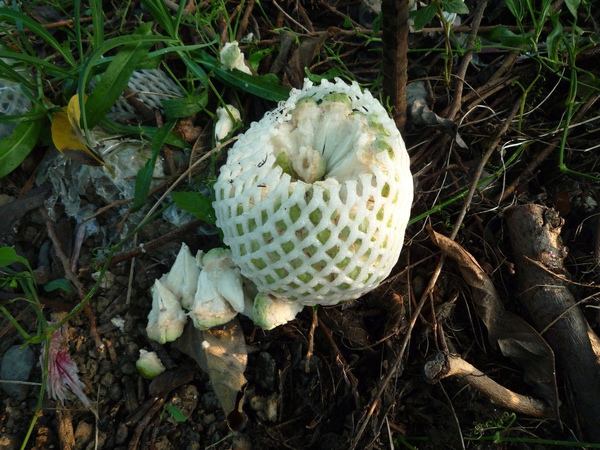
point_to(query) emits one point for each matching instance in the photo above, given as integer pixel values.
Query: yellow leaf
(69, 139)
(74, 113)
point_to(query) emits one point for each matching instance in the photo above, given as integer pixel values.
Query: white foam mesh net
(323, 242)
(12, 101)
(150, 86)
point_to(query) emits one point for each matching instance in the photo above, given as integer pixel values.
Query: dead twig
(342, 363)
(540, 157)
(311, 340)
(395, 56)
(443, 365)
(72, 277)
(156, 243)
(395, 366)
(466, 60)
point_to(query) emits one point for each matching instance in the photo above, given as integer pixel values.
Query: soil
(336, 377)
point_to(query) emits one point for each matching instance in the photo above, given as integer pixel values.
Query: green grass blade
(264, 86)
(148, 133)
(32, 26)
(143, 179)
(14, 149)
(117, 75)
(159, 12)
(92, 62)
(185, 107)
(78, 29)
(45, 66)
(9, 256)
(196, 70)
(97, 22)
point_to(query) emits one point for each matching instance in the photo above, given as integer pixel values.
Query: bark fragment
(539, 256)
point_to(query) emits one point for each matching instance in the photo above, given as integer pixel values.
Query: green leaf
(506, 37)
(256, 57)
(117, 75)
(573, 6)
(61, 284)
(176, 413)
(143, 179)
(264, 86)
(553, 42)
(9, 256)
(15, 148)
(97, 22)
(196, 70)
(196, 204)
(424, 15)
(93, 63)
(455, 6)
(329, 75)
(184, 107)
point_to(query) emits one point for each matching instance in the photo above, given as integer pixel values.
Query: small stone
(16, 365)
(83, 435)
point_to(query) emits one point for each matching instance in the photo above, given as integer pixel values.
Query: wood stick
(539, 257)
(443, 365)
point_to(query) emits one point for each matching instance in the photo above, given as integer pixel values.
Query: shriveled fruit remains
(314, 198)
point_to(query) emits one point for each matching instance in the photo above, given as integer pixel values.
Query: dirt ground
(348, 377)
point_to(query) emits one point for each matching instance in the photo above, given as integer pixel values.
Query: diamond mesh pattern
(320, 243)
(150, 87)
(12, 101)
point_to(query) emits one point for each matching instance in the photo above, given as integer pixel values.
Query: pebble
(83, 435)
(16, 365)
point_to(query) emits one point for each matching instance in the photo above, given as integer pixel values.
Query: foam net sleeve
(324, 242)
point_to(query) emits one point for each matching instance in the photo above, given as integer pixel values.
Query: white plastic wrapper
(314, 199)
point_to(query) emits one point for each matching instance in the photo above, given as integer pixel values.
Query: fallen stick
(443, 365)
(539, 257)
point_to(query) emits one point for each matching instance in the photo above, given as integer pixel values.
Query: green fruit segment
(315, 217)
(385, 191)
(259, 264)
(288, 247)
(345, 233)
(343, 263)
(281, 272)
(305, 277)
(295, 212)
(354, 273)
(324, 236)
